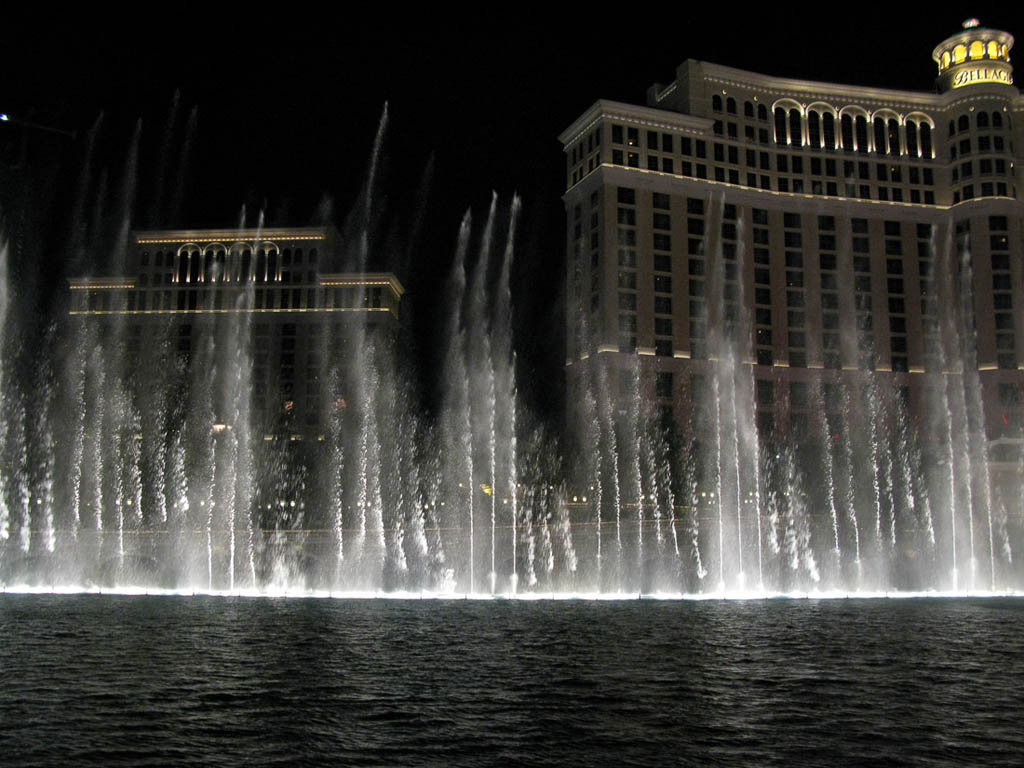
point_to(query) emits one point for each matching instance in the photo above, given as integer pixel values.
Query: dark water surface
(101, 680)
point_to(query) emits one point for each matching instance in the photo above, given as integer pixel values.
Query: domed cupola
(972, 57)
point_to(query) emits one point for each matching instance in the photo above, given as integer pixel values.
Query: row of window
(889, 134)
(195, 300)
(982, 120)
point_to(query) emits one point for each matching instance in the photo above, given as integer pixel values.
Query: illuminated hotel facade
(275, 287)
(819, 224)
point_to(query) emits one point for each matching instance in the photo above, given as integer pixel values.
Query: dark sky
(287, 110)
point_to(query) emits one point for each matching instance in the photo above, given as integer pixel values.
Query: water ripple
(101, 680)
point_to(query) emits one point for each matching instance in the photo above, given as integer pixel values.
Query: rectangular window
(663, 384)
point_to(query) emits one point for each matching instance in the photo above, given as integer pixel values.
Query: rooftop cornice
(363, 279)
(785, 86)
(229, 235)
(634, 113)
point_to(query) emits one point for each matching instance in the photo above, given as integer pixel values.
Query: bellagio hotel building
(822, 219)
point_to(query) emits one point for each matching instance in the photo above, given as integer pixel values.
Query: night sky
(286, 111)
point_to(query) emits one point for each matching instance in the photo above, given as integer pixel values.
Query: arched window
(814, 130)
(846, 132)
(210, 261)
(945, 60)
(993, 49)
(977, 50)
(860, 129)
(780, 125)
(879, 124)
(894, 137)
(952, 128)
(716, 103)
(997, 120)
(748, 109)
(272, 266)
(963, 123)
(183, 267)
(261, 266)
(221, 266)
(959, 53)
(828, 126)
(246, 265)
(795, 128)
(730, 105)
(195, 262)
(912, 139)
(762, 112)
(926, 140)
(982, 120)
